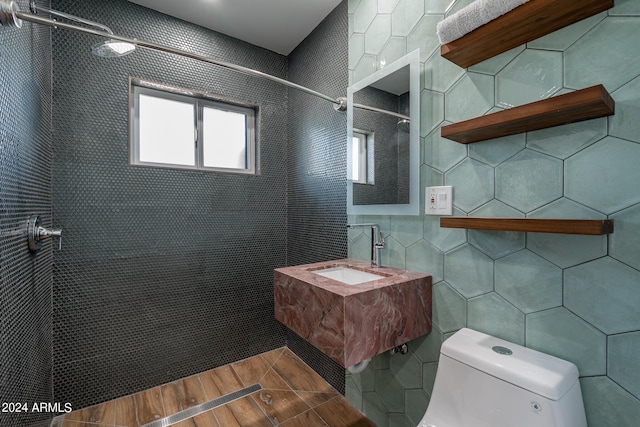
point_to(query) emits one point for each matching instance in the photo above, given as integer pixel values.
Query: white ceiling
(277, 25)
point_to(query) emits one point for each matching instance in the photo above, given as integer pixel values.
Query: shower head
(107, 49)
(112, 49)
(404, 125)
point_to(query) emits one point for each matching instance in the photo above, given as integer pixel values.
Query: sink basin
(351, 311)
(348, 275)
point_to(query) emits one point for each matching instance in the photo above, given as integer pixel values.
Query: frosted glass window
(178, 128)
(225, 138)
(359, 157)
(166, 131)
(357, 150)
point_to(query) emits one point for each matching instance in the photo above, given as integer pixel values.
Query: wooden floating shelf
(584, 104)
(537, 225)
(523, 24)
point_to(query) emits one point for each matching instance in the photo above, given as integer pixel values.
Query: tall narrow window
(362, 157)
(170, 128)
(359, 158)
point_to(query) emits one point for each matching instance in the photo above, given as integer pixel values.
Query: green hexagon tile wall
(575, 297)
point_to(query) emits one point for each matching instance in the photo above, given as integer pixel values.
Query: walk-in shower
(161, 268)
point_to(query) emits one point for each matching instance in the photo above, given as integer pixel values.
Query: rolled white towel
(473, 16)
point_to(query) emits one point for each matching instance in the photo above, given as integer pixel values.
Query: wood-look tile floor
(292, 395)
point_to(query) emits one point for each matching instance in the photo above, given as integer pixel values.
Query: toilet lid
(529, 369)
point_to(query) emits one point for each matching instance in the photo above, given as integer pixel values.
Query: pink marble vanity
(351, 323)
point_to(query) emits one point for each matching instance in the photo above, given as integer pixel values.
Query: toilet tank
(483, 381)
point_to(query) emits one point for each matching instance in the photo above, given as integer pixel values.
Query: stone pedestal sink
(350, 311)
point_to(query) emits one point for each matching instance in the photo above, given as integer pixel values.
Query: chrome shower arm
(35, 8)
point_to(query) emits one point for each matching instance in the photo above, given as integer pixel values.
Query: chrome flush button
(502, 350)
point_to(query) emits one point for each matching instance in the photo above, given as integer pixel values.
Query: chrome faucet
(376, 244)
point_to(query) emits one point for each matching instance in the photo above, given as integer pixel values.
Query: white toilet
(483, 381)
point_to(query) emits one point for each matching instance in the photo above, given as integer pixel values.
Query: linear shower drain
(203, 407)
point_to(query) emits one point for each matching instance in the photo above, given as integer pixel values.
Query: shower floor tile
(292, 395)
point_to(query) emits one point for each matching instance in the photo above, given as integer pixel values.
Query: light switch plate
(439, 200)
